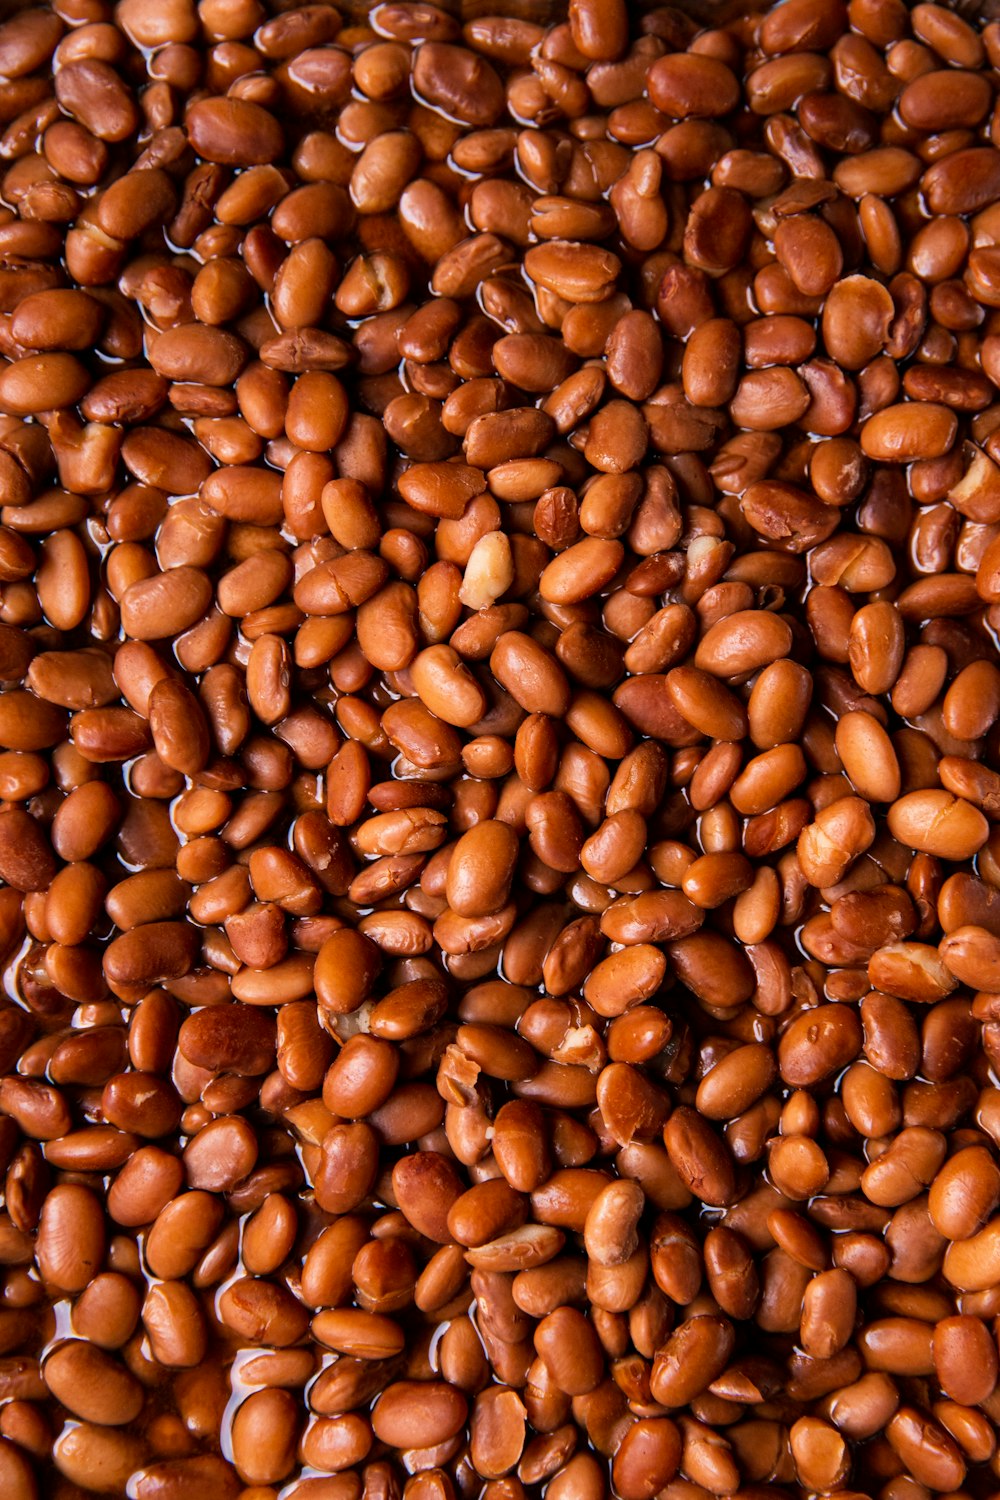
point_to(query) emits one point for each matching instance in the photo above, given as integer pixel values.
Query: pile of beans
(499, 753)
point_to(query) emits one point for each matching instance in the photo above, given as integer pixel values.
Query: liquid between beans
(499, 753)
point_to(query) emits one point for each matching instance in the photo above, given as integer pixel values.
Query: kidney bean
(964, 1359)
(868, 757)
(363, 1334)
(568, 1346)
(347, 1167)
(969, 1261)
(706, 704)
(843, 829)
(147, 1182)
(165, 604)
(915, 430)
(648, 1458)
(819, 1453)
(625, 979)
(346, 967)
(731, 1273)
(222, 1153)
(695, 1353)
(234, 132)
(182, 1476)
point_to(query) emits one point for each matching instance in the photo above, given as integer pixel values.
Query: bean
(174, 1325)
(868, 757)
(233, 131)
(692, 85)
(818, 1452)
(529, 674)
(743, 642)
(92, 1385)
(963, 1194)
(929, 1451)
(568, 1347)
(71, 1237)
(425, 1413)
(264, 1436)
(952, 828)
(648, 1458)
(694, 1354)
(699, 1157)
(964, 1360)
(107, 1311)
(610, 1228)
(736, 1082)
(86, 1450)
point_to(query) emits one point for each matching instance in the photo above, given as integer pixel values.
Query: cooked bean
(71, 1237)
(421, 1414)
(92, 1384)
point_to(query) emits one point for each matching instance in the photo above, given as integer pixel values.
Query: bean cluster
(499, 753)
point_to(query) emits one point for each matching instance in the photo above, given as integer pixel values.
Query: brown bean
(568, 1347)
(690, 85)
(234, 132)
(938, 823)
(174, 1325)
(694, 1354)
(420, 1414)
(736, 1082)
(701, 1159)
(743, 642)
(817, 1043)
(529, 674)
(481, 868)
(92, 1384)
(581, 570)
(919, 429)
(647, 1459)
(263, 1312)
(963, 1193)
(26, 858)
(965, 1359)
(198, 352)
(929, 1450)
(166, 603)
(264, 1435)
(86, 1449)
(71, 1237)
(868, 757)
